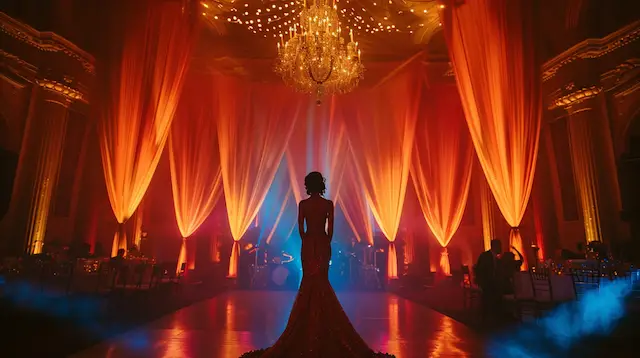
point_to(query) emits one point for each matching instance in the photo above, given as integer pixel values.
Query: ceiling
(388, 31)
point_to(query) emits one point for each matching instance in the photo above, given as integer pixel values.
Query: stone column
(582, 145)
(585, 176)
(47, 129)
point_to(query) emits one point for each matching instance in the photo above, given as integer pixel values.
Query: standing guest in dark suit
(488, 279)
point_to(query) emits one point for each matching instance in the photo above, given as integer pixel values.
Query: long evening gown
(318, 327)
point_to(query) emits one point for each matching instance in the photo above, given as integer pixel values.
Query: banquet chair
(542, 290)
(470, 291)
(585, 280)
(521, 303)
(139, 272)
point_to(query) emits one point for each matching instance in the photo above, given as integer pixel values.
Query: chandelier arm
(328, 74)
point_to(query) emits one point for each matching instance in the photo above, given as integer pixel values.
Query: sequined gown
(318, 327)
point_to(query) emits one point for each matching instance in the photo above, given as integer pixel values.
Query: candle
(358, 53)
(351, 34)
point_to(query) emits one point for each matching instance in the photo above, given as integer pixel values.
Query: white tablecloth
(561, 286)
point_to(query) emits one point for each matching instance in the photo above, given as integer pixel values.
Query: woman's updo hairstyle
(314, 183)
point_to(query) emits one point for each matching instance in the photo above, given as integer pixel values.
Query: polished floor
(238, 321)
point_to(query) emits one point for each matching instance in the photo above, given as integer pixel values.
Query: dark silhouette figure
(317, 326)
(508, 266)
(487, 277)
(118, 260)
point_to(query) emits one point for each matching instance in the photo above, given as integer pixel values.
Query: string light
(274, 18)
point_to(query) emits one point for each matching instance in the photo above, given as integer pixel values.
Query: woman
(318, 326)
(508, 267)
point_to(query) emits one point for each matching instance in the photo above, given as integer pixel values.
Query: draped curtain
(254, 124)
(491, 47)
(146, 90)
(381, 125)
(195, 165)
(353, 203)
(318, 144)
(441, 164)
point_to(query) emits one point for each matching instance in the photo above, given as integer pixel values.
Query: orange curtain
(255, 122)
(318, 143)
(146, 90)
(441, 164)
(491, 47)
(381, 126)
(353, 203)
(195, 166)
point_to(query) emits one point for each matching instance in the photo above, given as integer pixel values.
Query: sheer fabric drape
(381, 137)
(441, 164)
(137, 118)
(195, 165)
(353, 203)
(491, 47)
(318, 143)
(254, 124)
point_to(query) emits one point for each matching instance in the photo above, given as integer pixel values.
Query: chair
(585, 280)
(542, 290)
(470, 292)
(139, 272)
(104, 275)
(181, 273)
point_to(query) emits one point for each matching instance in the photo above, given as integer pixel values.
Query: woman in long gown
(318, 326)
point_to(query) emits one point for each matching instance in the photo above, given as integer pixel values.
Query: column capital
(59, 92)
(571, 96)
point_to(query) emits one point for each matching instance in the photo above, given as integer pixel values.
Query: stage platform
(238, 321)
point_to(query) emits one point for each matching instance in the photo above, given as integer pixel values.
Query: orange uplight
(491, 47)
(195, 166)
(441, 165)
(254, 123)
(381, 125)
(585, 173)
(353, 203)
(136, 124)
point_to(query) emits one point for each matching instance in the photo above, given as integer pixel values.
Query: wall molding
(592, 48)
(45, 41)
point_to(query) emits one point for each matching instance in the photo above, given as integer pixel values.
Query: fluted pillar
(486, 205)
(583, 159)
(47, 129)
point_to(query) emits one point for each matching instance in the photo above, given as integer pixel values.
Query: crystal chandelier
(316, 59)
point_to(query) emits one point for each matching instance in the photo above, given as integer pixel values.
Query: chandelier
(316, 59)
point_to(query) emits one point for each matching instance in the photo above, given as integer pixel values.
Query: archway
(629, 177)
(8, 165)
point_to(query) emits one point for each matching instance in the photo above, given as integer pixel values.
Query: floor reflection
(447, 341)
(235, 322)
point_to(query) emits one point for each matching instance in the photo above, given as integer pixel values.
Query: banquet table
(561, 287)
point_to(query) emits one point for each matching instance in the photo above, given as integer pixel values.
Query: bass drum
(284, 277)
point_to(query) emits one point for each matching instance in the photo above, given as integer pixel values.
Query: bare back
(317, 212)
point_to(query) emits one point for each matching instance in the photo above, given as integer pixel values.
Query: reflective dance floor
(238, 321)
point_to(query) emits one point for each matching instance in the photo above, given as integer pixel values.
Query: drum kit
(356, 265)
(274, 271)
